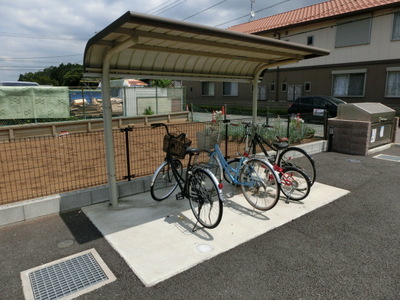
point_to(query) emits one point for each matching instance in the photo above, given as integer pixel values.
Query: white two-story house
(364, 65)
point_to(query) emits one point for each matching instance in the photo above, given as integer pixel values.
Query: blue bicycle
(259, 183)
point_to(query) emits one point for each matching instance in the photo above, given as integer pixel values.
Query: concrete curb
(39, 207)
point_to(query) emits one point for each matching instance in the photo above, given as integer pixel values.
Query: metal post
(107, 119)
(156, 100)
(325, 123)
(330, 139)
(83, 104)
(288, 125)
(128, 161)
(226, 131)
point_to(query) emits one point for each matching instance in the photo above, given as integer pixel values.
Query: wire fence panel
(36, 167)
(42, 166)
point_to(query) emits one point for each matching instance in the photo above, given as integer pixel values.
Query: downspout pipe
(256, 78)
(107, 119)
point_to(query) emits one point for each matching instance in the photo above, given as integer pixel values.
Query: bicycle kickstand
(287, 198)
(195, 227)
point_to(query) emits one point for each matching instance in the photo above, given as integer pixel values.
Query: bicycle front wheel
(300, 159)
(205, 198)
(163, 183)
(260, 184)
(295, 185)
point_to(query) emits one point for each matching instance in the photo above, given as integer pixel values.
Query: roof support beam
(206, 53)
(202, 42)
(96, 72)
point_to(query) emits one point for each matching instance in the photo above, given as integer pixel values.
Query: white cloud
(41, 33)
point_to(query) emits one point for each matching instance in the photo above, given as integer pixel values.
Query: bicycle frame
(258, 140)
(182, 182)
(228, 169)
(284, 177)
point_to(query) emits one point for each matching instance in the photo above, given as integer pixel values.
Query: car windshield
(337, 101)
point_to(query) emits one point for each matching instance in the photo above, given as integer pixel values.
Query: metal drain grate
(66, 278)
(388, 157)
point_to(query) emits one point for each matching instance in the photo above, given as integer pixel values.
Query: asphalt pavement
(347, 249)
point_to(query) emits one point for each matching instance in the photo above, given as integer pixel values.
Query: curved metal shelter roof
(144, 46)
(153, 47)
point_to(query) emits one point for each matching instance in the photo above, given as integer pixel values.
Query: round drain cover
(204, 248)
(65, 244)
(352, 160)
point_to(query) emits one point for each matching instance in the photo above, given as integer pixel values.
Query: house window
(230, 89)
(353, 33)
(307, 86)
(393, 82)
(272, 87)
(284, 87)
(349, 83)
(310, 40)
(396, 26)
(207, 88)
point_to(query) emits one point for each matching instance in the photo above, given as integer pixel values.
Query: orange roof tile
(310, 13)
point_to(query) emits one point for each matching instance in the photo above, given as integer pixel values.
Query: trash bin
(360, 127)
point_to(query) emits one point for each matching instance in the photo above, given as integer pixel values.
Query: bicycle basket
(176, 146)
(207, 141)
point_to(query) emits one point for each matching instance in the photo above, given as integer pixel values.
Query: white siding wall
(380, 47)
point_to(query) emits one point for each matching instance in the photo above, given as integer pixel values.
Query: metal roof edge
(198, 29)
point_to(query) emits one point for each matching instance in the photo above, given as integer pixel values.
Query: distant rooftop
(312, 13)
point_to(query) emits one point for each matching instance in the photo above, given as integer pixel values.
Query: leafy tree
(63, 75)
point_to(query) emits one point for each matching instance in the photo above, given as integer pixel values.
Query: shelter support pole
(107, 120)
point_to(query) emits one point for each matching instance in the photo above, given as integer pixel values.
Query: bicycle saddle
(280, 146)
(282, 139)
(193, 150)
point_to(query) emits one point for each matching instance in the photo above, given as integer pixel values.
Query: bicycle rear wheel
(300, 159)
(205, 198)
(295, 185)
(260, 184)
(163, 183)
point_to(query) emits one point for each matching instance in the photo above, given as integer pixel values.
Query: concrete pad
(156, 238)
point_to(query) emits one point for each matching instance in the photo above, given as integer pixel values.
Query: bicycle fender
(214, 179)
(153, 178)
(271, 167)
(300, 150)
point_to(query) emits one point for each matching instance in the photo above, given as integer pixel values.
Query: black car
(315, 106)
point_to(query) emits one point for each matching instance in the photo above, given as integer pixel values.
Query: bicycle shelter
(144, 46)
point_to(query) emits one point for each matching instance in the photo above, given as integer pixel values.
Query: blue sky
(37, 34)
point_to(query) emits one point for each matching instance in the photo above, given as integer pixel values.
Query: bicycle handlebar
(155, 125)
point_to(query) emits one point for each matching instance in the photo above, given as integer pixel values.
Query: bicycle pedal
(179, 196)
